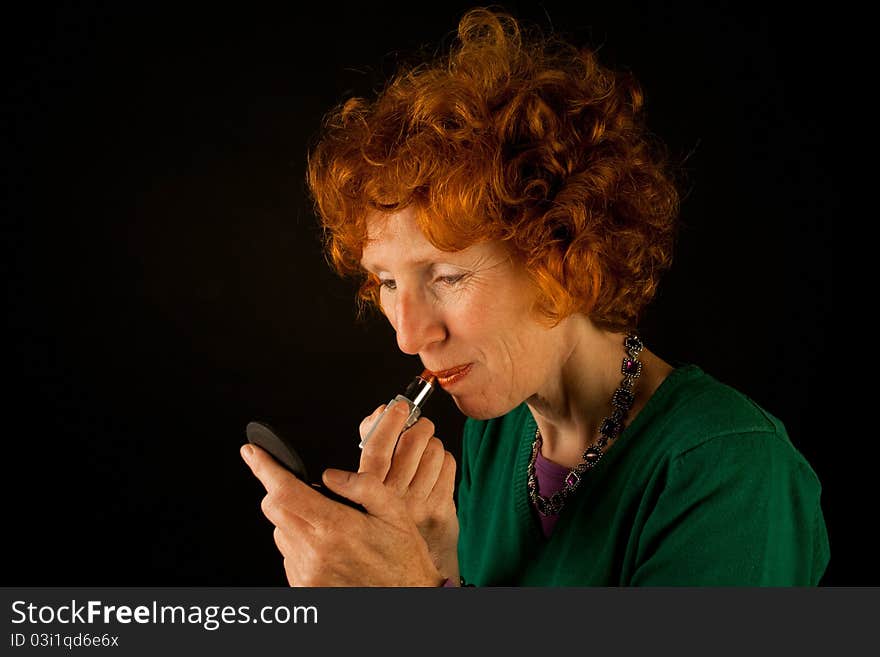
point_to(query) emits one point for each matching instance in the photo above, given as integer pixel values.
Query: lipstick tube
(415, 396)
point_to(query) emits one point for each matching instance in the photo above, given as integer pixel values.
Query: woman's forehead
(397, 226)
(393, 236)
(395, 239)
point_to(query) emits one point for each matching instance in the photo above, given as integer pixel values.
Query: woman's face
(467, 314)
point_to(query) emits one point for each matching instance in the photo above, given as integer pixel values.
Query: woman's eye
(388, 284)
(451, 280)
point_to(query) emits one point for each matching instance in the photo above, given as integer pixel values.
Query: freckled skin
(485, 318)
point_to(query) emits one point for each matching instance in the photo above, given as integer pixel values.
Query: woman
(508, 213)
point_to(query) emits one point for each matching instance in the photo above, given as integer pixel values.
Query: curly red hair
(527, 140)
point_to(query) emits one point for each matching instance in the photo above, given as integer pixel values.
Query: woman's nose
(416, 322)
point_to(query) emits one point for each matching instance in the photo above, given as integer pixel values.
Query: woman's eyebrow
(421, 262)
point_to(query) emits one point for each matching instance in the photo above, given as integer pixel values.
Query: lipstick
(415, 395)
(449, 377)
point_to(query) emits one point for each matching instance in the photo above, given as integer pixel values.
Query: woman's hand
(421, 473)
(325, 543)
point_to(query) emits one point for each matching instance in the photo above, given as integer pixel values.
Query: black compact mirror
(264, 436)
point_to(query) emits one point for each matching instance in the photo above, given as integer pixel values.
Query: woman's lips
(448, 377)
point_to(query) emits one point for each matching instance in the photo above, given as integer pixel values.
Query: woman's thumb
(361, 487)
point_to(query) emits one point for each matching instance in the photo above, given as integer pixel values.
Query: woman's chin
(479, 409)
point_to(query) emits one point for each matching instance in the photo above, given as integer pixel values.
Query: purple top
(551, 479)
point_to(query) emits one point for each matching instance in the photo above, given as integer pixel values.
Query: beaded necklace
(622, 400)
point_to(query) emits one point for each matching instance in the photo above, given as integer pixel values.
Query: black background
(165, 283)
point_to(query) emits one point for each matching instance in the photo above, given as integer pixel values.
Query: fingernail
(337, 477)
(376, 423)
(247, 452)
(402, 409)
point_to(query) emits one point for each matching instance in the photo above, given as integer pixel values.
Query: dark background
(165, 284)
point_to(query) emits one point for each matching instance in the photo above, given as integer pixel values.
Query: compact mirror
(264, 436)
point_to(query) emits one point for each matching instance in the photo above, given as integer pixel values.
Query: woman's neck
(570, 408)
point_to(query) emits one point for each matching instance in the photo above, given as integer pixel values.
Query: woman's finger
(444, 487)
(368, 421)
(429, 469)
(408, 454)
(376, 453)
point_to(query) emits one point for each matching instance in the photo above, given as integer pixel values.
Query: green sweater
(703, 488)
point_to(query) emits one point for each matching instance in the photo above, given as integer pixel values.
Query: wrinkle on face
(487, 316)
